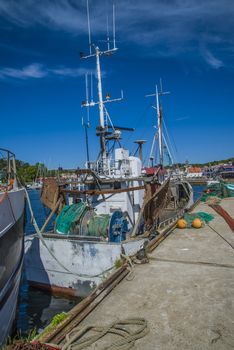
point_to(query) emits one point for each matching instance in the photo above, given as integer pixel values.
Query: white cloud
(212, 60)
(68, 72)
(34, 70)
(164, 28)
(38, 71)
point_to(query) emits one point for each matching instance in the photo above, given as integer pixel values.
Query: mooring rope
(224, 214)
(120, 328)
(219, 234)
(41, 238)
(130, 267)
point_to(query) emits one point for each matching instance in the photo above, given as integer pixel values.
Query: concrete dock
(185, 292)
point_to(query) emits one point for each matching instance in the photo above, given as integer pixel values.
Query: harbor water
(36, 308)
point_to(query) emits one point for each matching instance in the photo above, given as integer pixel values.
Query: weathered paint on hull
(8, 310)
(86, 263)
(11, 256)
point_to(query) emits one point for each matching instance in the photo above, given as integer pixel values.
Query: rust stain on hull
(55, 290)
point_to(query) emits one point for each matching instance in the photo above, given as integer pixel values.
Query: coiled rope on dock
(121, 328)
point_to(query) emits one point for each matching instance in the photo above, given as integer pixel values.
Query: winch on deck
(80, 219)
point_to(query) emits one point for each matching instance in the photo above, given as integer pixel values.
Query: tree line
(29, 173)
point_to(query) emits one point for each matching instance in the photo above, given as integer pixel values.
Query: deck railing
(7, 166)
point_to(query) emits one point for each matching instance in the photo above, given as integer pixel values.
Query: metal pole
(8, 166)
(87, 144)
(14, 170)
(101, 109)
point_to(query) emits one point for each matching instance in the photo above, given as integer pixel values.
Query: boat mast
(159, 116)
(158, 108)
(101, 108)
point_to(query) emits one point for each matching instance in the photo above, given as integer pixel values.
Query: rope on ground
(205, 263)
(130, 267)
(120, 328)
(219, 234)
(222, 212)
(41, 238)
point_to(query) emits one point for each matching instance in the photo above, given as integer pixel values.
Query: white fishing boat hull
(11, 256)
(70, 266)
(8, 311)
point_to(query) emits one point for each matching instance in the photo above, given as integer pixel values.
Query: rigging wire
(136, 126)
(173, 149)
(174, 144)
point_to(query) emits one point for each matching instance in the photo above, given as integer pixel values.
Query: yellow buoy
(197, 223)
(181, 223)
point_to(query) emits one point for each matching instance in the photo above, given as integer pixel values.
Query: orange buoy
(181, 223)
(197, 223)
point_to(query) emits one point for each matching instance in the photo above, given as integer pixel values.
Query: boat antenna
(86, 124)
(107, 32)
(91, 86)
(114, 45)
(86, 127)
(102, 129)
(89, 30)
(87, 94)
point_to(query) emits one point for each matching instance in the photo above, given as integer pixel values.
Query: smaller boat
(230, 188)
(34, 186)
(37, 183)
(212, 182)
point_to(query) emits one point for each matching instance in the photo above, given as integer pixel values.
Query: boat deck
(185, 292)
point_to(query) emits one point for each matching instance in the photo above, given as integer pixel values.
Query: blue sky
(187, 43)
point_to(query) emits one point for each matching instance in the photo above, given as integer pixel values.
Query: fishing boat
(12, 205)
(111, 211)
(37, 183)
(230, 188)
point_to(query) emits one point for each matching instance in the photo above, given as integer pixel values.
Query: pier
(184, 292)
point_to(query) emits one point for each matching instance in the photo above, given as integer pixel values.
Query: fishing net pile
(202, 216)
(215, 192)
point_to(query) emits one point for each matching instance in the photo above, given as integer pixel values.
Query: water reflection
(197, 191)
(36, 308)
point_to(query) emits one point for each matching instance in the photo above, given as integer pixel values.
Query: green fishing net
(68, 220)
(219, 190)
(204, 217)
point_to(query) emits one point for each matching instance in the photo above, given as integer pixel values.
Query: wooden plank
(106, 191)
